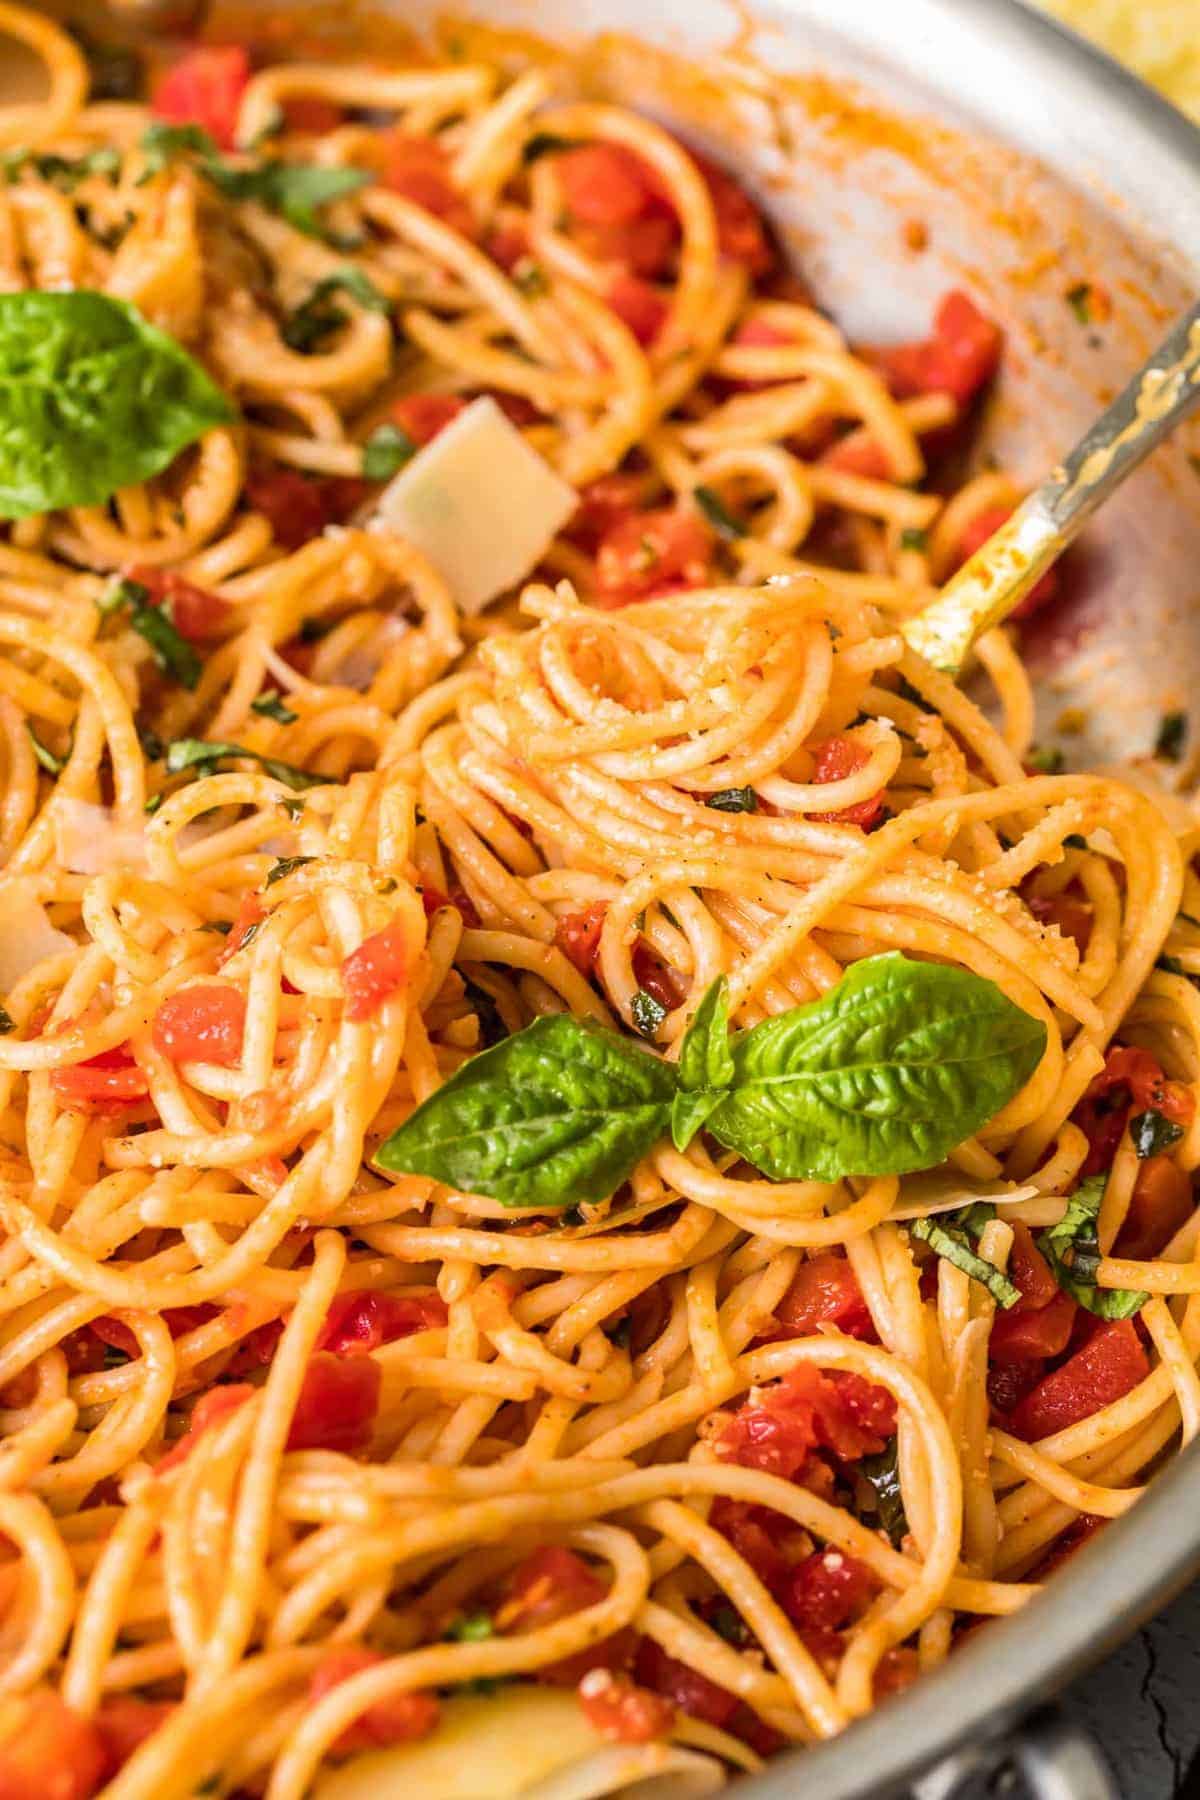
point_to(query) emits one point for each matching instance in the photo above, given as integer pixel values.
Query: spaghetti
(299, 1452)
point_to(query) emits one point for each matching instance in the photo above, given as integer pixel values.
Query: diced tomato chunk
(418, 169)
(639, 305)
(685, 1687)
(205, 88)
(47, 1752)
(202, 1023)
(360, 1321)
(197, 615)
(212, 1407)
(741, 234)
(836, 758)
(507, 245)
(1108, 1366)
(825, 1291)
(828, 1590)
(179, 1320)
(423, 416)
(296, 508)
(959, 359)
(859, 455)
(106, 1083)
(652, 551)
(399, 1719)
(577, 935)
(653, 976)
(124, 1724)
(1009, 1382)
(604, 503)
(757, 1534)
(759, 334)
(375, 971)
(1162, 1201)
(1034, 1336)
(1130, 1081)
(433, 899)
(1029, 1270)
(337, 1405)
(807, 1410)
(250, 915)
(307, 113)
(1072, 916)
(617, 1709)
(896, 1670)
(605, 184)
(549, 1586)
(976, 535)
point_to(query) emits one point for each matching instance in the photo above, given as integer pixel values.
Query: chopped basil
(296, 191)
(1072, 1248)
(271, 705)
(1073, 841)
(152, 745)
(1172, 734)
(386, 451)
(733, 800)
(286, 865)
(153, 802)
(717, 513)
(162, 142)
(882, 1472)
(170, 650)
(306, 329)
(1152, 1133)
(222, 927)
(1170, 965)
(53, 765)
(729, 1624)
(544, 143)
(492, 1028)
(474, 1628)
(7, 1022)
(292, 805)
(914, 538)
(1048, 761)
(64, 172)
(647, 1013)
(123, 592)
(529, 278)
(952, 1244)
(201, 755)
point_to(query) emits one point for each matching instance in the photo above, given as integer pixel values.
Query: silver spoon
(1000, 574)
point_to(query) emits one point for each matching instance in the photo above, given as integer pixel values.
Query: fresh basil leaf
(556, 1114)
(153, 802)
(1072, 1248)
(45, 758)
(647, 1013)
(64, 172)
(1152, 1133)
(94, 398)
(222, 927)
(717, 513)
(1172, 734)
(203, 754)
(386, 451)
(885, 1074)
(7, 1022)
(882, 1472)
(913, 538)
(296, 191)
(1074, 840)
(733, 800)
(161, 143)
(1170, 965)
(170, 650)
(271, 705)
(705, 1059)
(529, 278)
(953, 1245)
(1048, 761)
(728, 1623)
(286, 866)
(1079, 299)
(691, 1111)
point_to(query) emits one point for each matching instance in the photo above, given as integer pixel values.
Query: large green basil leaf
(556, 1114)
(92, 398)
(885, 1074)
(705, 1065)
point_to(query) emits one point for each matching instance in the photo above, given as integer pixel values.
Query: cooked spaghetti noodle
(298, 1452)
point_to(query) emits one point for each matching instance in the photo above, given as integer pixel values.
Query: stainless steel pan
(1035, 166)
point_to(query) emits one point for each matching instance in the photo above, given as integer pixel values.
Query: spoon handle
(993, 581)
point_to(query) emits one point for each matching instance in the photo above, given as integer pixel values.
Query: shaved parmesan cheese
(26, 935)
(88, 843)
(947, 1190)
(480, 504)
(524, 1743)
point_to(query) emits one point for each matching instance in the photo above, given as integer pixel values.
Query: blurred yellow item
(1160, 39)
